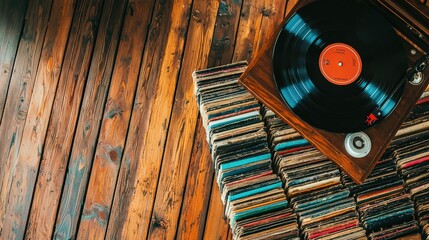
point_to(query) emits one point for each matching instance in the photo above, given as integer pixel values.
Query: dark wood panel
(15, 113)
(117, 112)
(12, 20)
(141, 161)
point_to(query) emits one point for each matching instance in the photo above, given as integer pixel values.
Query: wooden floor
(100, 135)
(99, 130)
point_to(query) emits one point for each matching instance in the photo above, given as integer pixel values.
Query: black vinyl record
(339, 65)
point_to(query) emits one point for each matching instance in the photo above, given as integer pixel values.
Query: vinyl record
(339, 65)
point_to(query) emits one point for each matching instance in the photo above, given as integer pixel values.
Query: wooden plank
(257, 24)
(117, 111)
(85, 139)
(139, 171)
(72, 77)
(181, 131)
(200, 176)
(15, 111)
(225, 32)
(198, 188)
(250, 23)
(216, 226)
(79, 59)
(12, 18)
(97, 83)
(31, 147)
(273, 13)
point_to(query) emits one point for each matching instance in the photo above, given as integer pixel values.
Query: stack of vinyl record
(416, 126)
(411, 153)
(388, 202)
(313, 185)
(386, 210)
(255, 203)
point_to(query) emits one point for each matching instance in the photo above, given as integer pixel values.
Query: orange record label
(340, 64)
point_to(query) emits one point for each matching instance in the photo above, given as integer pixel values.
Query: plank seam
(285, 12)
(186, 185)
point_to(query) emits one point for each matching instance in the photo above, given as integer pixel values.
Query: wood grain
(197, 189)
(97, 84)
(12, 18)
(16, 108)
(69, 57)
(184, 116)
(39, 110)
(89, 65)
(139, 170)
(252, 13)
(43, 206)
(258, 22)
(225, 32)
(87, 129)
(216, 226)
(272, 16)
(117, 112)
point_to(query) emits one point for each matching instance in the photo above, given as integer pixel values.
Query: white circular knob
(358, 144)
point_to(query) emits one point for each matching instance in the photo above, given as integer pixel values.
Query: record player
(345, 74)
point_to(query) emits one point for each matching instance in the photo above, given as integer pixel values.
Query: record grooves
(331, 61)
